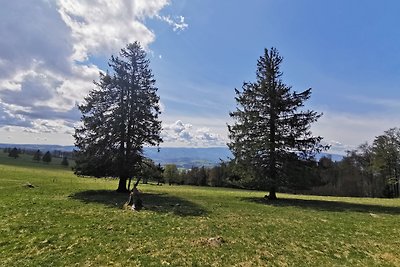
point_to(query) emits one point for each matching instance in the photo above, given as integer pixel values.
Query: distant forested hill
(181, 156)
(188, 157)
(40, 147)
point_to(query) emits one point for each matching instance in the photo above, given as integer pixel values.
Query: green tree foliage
(386, 160)
(301, 175)
(216, 176)
(37, 156)
(271, 126)
(368, 171)
(189, 177)
(14, 153)
(119, 117)
(202, 176)
(159, 174)
(195, 176)
(151, 171)
(171, 174)
(47, 157)
(65, 162)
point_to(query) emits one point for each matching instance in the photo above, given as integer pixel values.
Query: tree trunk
(272, 193)
(397, 185)
(137, 182)
(122, 185)
(129, 183)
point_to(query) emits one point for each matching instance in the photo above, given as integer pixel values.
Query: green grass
(70, 221)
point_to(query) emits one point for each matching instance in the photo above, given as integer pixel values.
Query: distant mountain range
(188, 157)
(40, 147)
(181, 156)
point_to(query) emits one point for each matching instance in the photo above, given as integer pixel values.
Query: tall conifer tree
(119, 117)
(47, 157)
(38, 155)
(271, 126)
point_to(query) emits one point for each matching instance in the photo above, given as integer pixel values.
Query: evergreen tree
(171, 174)
(38, 155)
(119, 117)
(215, 176)
(65, 162)
(14, 153)
(271, 125)
(150, 171)
(47, 157)
(202, 177)
(191, 176)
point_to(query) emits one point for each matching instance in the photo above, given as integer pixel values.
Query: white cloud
(44, 43)
(337, 147)
(178, 24)
(382, 102)
(351, 130)
(205, 135)
(8, 129)
(178, 127)
(185, 134)
(103, 27)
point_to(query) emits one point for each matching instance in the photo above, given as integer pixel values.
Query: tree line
(371, 170)
(38, 156)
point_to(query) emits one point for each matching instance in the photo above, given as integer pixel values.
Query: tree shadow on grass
(325, 205)
(162, 203)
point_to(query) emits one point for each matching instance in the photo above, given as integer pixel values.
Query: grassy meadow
(65, 220)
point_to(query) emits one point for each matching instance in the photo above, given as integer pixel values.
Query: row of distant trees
(37, 155)
(371, 170)
(229, 174)
(222, 175)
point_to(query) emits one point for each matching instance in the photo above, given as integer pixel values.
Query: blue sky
(200, 50)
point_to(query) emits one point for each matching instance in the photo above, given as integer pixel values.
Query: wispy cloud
(346, 131)
(382, 102)
(177, 24)
(206, 99)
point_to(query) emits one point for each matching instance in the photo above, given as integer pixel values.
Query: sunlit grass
(67, 221)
